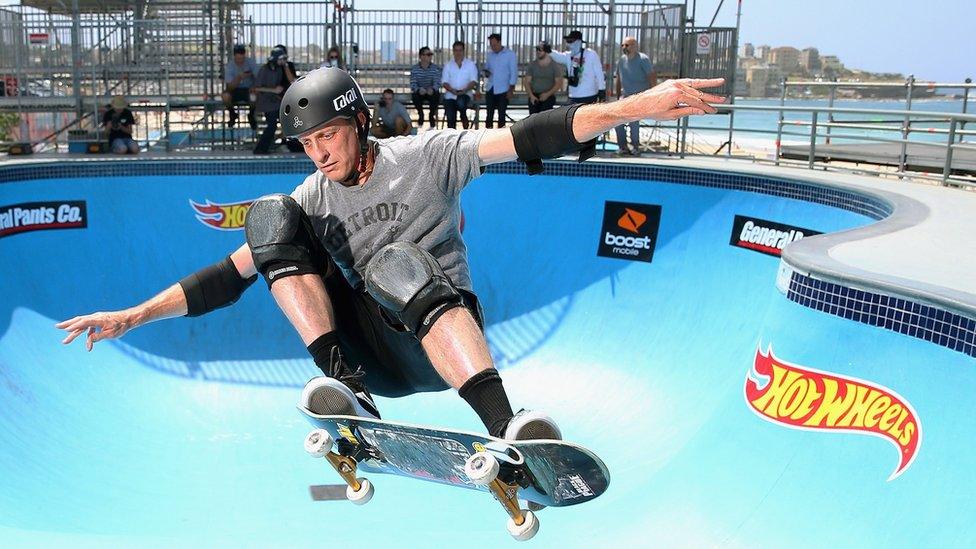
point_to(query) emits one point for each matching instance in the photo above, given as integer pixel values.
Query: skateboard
(546, 473)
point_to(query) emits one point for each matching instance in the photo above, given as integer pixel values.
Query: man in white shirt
(459, 79)
(584, 71)
(501, 69)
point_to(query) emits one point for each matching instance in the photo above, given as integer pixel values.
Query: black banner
(629, 231)
(39, 216)
(765, 237)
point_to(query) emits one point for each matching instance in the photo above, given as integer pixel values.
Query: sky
(932, 39)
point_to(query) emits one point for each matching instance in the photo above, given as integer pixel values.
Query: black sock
(321, 350)
(485, 393)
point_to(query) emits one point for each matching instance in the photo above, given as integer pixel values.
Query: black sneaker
(342, 393)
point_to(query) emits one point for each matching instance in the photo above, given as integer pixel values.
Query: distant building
(762, 52)
(831, 63)
(741, 84)
(748, 51)
(785, 57)
(764, 80)
(810, 59)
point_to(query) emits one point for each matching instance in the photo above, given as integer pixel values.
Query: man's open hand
(673, 99)
(99, 326)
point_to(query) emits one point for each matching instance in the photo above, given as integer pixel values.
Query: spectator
(333, 59)
(460, 76)
(390, 117)
(238, 80)
(501, 69)
(634, 74)
(543, 78)
(425, 86)
(290, 75)
(584, 71)
(269, 86)
(119, 121)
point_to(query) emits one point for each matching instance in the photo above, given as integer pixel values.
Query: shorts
(392, 357)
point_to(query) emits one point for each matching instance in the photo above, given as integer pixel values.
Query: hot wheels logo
(225, 217)
(802, 398)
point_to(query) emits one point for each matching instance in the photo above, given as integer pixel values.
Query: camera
(573, 78)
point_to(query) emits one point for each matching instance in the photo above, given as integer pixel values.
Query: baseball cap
(574, 36)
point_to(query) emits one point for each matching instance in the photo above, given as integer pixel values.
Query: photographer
(239, 79)
(119, 121)
(391, 118)
(291, 74)
(584, 71)
(270, 84)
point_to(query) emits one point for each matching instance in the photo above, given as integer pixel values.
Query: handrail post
(779, 125)
(905, 128)
(965, 104)
(813, 141)
(830, 113)
(947, 169)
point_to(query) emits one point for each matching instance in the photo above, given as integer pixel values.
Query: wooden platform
(921, 157)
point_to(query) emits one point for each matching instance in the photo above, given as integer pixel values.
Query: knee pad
(280, 237)
(407, 281)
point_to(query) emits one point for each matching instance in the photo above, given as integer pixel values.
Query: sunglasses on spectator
(428, 54)
(539, 49)
(331, 57)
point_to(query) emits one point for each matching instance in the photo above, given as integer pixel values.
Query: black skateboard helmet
(319, 97)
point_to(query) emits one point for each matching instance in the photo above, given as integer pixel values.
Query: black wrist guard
(213, 287)
(548, 134)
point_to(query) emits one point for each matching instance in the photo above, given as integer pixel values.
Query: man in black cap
(239, 79)
(584, 70)
(270, 85)
(543, 79)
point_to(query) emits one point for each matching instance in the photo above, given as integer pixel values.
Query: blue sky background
(935, 40)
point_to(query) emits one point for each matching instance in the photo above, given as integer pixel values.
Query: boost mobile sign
(629, 231)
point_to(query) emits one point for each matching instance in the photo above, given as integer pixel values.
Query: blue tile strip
(893, 313)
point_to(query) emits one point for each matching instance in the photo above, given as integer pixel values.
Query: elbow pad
(213, 287)
(548, 134)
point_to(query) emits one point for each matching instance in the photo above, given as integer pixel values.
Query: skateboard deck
(550, 473)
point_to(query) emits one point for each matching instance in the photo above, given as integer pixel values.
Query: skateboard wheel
(318, 443)
(526, 530)
(481, 468)
(363, 495)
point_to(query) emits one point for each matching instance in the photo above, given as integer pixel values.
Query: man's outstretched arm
(669, 100)
(171, 302)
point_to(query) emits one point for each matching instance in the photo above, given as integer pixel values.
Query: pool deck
(925, 250)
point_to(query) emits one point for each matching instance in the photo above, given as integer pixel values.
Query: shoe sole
(328, 401)
(537, 430)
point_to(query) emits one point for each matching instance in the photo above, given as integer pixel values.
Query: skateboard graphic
(545, 472)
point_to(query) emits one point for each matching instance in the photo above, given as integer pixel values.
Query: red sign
(38, 38)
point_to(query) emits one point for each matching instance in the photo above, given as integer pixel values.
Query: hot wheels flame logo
(802, 398)
(225, 217)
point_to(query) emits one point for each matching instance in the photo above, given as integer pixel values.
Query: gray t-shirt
(389, 114)
(633, 73)
(543, 78)
(413, 195)
(232, 70)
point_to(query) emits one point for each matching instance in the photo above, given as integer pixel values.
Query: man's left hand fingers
(702, 82)
(708, 97)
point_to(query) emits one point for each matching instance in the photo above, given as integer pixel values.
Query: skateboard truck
(318, 443)
(482, 468)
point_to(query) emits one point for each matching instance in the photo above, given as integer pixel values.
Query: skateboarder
(365, 257)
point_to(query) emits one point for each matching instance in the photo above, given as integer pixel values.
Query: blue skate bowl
(184, 432)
